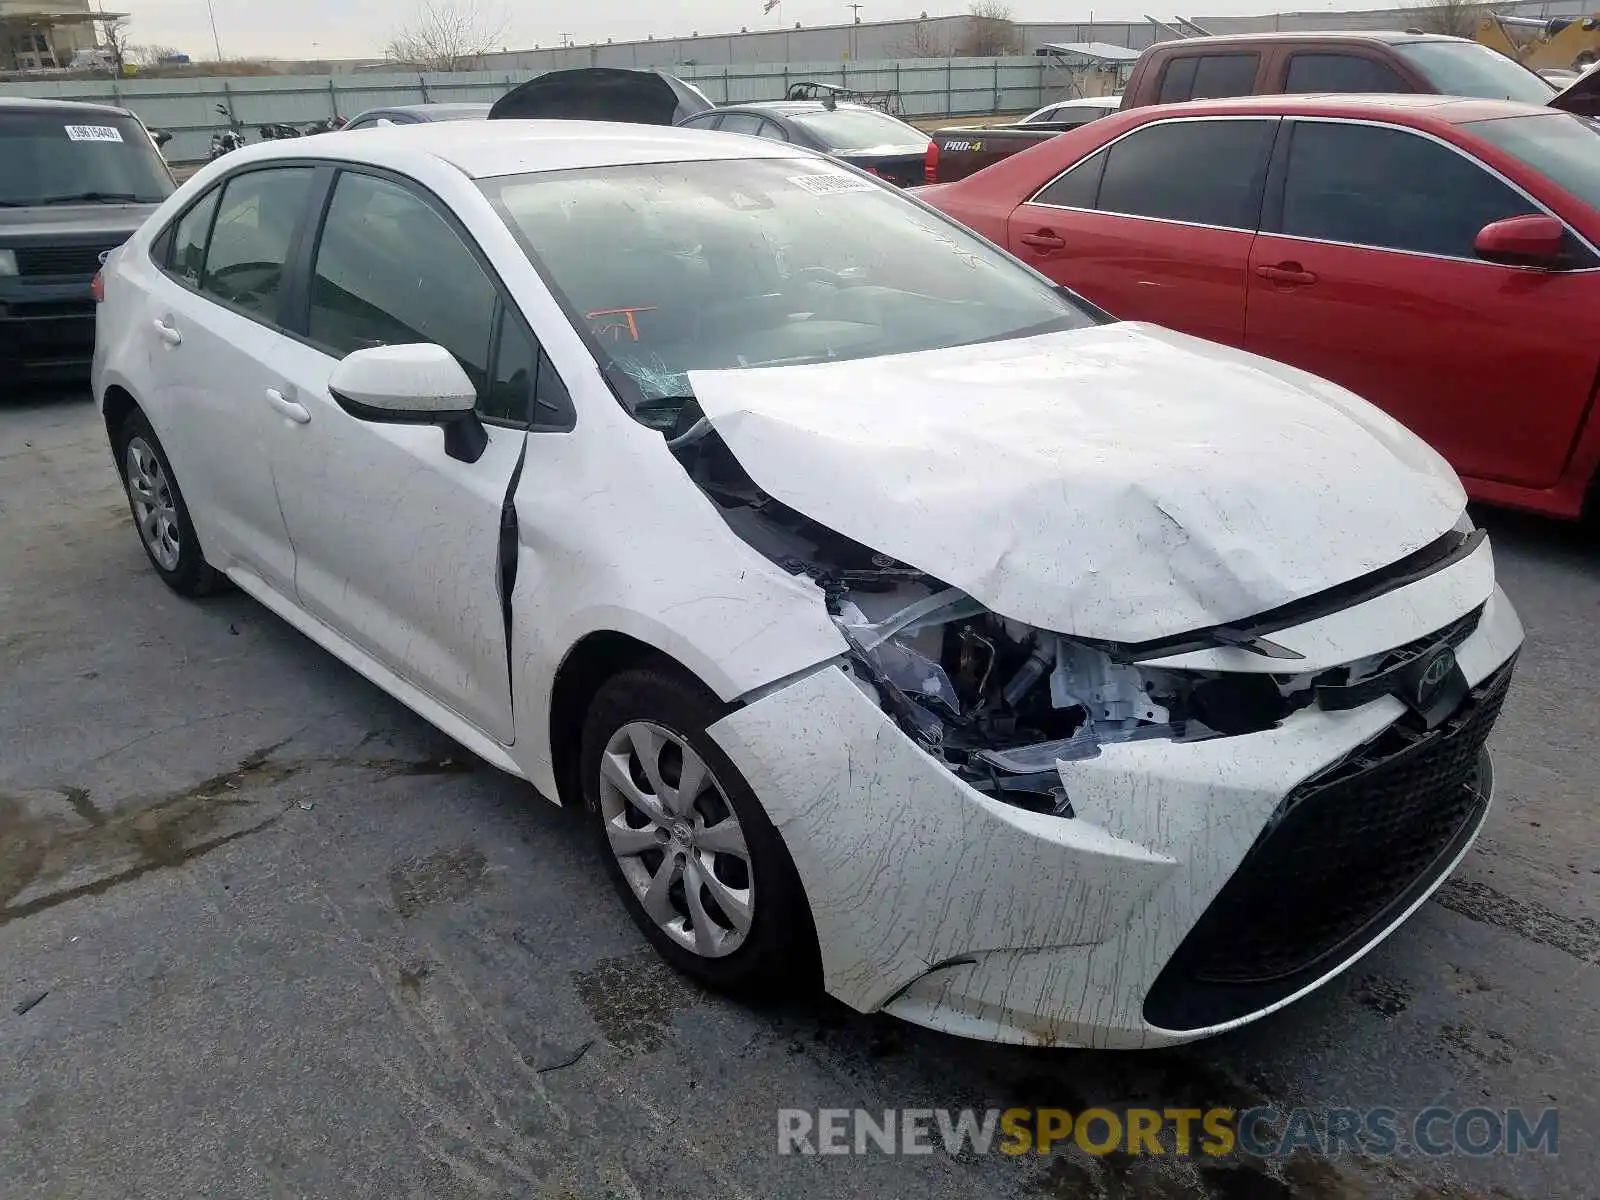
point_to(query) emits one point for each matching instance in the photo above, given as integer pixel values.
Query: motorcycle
(326, 125)
(229, 139)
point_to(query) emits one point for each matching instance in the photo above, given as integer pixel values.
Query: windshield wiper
(92, 198)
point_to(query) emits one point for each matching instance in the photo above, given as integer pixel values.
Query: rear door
(217, 321)
(1365, 273)
(1158, 225)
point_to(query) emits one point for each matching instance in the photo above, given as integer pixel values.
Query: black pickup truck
(959, 151)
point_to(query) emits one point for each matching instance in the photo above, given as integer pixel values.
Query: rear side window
(1341, 73)
(1389, 189)
(189, 239)
(1203, 172)
(1079, 187)
(1208, 76)
(250, 240)
(391, 271)
(740, 123)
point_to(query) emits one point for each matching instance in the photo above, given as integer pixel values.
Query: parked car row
(1269, 64)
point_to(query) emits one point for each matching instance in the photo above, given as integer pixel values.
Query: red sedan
(1435, 255)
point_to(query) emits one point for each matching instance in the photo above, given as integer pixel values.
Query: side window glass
(1225, 75)
(773, 131)
(1078, 187)
(1204, 172)
(1208, 76)
(1341, 73)
(741, 123)
(256, 219)
(522, 371)
(391, 271)
(516, 370)
(189, 239)
(1389, 189)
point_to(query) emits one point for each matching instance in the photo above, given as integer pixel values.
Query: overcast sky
(359, 28)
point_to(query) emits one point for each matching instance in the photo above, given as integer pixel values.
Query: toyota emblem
(1434, 675)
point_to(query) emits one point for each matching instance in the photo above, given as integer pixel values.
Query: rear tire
(699, 866)
(160, 515)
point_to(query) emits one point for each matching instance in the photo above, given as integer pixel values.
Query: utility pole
(213, 14)
(855, 19)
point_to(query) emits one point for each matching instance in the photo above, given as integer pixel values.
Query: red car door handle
(1289, 272)
(1043, 240)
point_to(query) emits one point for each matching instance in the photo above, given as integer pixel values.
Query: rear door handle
(298, 413)
(168, 334)
(1290, 272)
(1043, 240)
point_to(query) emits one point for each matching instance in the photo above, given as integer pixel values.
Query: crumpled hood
(1120, 482)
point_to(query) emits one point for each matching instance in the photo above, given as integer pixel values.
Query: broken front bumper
(1152, 916)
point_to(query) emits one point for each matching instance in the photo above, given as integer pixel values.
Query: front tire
(697, 862)
(159, 512)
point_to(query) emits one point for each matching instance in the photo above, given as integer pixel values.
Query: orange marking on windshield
(615, 328)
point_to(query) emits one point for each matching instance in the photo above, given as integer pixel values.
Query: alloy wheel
(154, 509)
(677, 839)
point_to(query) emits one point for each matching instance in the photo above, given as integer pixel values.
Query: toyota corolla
(899, 619)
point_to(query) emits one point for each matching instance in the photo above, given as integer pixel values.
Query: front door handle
(1289, 272)
(298, 413)
(168, 334)
(1044, 239)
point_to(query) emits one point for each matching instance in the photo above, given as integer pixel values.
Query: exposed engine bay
(997, 701)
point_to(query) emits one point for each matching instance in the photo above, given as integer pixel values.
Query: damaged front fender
(907, 867)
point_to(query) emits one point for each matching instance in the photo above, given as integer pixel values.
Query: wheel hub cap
(154, 509)
(677, 839)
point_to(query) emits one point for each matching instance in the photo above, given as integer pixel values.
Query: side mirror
(1534, 240)
(412, 385)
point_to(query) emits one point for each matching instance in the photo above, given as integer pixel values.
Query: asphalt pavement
(264, 933)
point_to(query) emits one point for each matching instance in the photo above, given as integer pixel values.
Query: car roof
(438, 111)
(68, 107)
(511, 146)
(1084, 102)
(1391, 37)
(1410, 108)
(796, 108)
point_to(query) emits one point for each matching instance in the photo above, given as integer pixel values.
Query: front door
(1158, 225)
(398, 546)
(1366, 275)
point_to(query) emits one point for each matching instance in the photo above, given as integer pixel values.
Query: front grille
(1343, 854)
(60, 260)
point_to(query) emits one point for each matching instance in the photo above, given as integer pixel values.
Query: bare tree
(925, 41)
(114, 38)
(990, 33)
(447, 35)
(1458, 18)
(151, 56)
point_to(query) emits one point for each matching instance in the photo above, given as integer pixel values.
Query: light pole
(212, 13)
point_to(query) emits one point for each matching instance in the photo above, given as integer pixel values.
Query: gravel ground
(264, 933)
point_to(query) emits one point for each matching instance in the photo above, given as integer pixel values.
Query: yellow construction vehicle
(1541, 44)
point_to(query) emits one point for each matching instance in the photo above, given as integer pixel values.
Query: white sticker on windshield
(830, 185)
(94, 133)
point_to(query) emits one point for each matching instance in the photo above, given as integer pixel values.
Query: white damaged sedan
(900, 620)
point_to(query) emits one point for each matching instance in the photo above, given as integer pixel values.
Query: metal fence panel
(187, 108)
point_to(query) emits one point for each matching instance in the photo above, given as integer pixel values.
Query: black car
(854, 133)
(864, 137)
(75, 181)
(417, 114)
